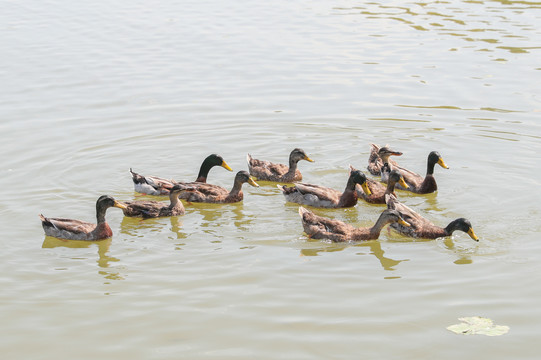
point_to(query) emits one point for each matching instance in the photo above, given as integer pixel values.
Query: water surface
(90, 90)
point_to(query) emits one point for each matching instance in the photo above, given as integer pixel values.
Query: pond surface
(92, 89)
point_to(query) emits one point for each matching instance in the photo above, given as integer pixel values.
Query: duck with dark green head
(155, 185)
(71, 229)
(421, 227)
(419, 184)
(325, 197)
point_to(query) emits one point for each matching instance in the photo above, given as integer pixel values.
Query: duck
(264, 170)
(208, 193)
(155, 185)
(379, 190)
(417, 183)
(380, 156)
(70, 229)
(319, 227)
(421, 227)
(325, 197)
(153, 209)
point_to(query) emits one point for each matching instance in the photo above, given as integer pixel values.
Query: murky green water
(90, 90)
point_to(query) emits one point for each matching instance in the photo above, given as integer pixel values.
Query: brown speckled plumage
(209, 193)
(267, 171)
(321, 196)
(155, 185)
(379, 190)
(153, 209)
(421, 227)
(319, 227)
(71, 229)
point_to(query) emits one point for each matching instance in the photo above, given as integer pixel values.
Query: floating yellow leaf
(477, 325)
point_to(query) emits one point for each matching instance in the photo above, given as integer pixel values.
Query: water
(90, 90)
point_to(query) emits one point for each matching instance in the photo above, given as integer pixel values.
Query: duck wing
(54, 226)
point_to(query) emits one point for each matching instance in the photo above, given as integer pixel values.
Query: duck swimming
(319, 227)
(325, 197)
(153, 209)
(380, 156)
(71, 229)
(379, 190)
(423, 228)
(417, 183)
(208, 193)
(267, 171)
(155, 185)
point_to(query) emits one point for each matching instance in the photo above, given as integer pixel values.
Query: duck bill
(403, 183)
(404, 222)
(366, 190)
(225, 166)
(472, 234)
(308, 159)
(442, 163)
(252, 182)
(119, 205)
(396, 153)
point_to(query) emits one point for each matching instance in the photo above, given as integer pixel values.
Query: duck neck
(376, 229)
(390, 187)
(175, 202)
(236, 189)
(100, 214)
(449, 229)
(203, 172)
(292, 165)
(385, 158)
(430, 167)
(348, 197)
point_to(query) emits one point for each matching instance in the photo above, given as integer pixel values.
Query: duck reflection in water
(374, 246)
(103, 261)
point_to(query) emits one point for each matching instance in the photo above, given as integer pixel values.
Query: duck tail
(137, 179)
(46, 222)
(303, 211)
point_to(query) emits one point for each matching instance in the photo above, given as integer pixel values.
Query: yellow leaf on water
(477, 325)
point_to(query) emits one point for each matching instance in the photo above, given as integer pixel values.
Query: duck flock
(380, 164)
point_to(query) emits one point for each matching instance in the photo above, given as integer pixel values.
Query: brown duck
(155, 185)
(71, 229)
(379, 190)
(380, 156)
(423, 228)
(264, 170)
(417, 183)
(208, 193)
(324, 197)
(319, 227)
(153, 209)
